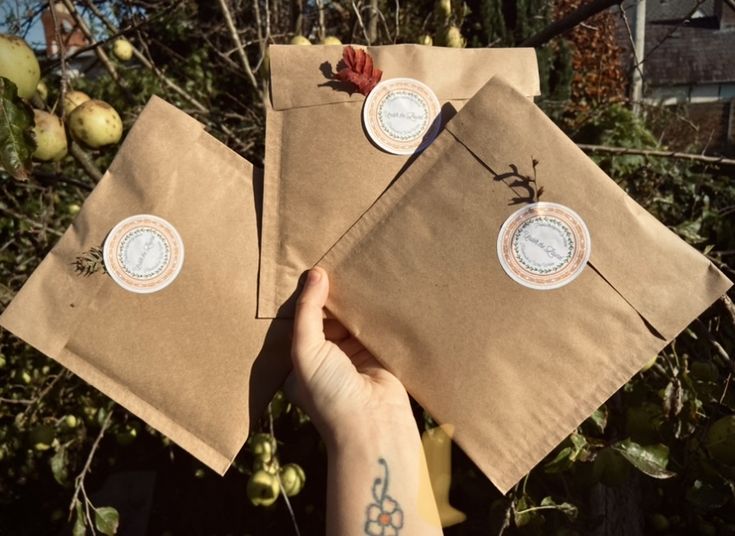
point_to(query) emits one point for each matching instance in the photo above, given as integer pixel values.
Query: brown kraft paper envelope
(191, 359)
(321, 170)
(515, 370)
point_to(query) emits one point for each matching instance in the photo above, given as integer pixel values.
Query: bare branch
(236, 39)
(322, 29)
(360, 22)
(718, 160)
(372, 29)
(101, 54)
(102, 42)
(32, 223)
(200, 107)
(582, 13)
(62, 56)
(79, 480)
(673, 30)
(85, 161)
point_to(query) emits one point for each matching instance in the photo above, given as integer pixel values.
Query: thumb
(308, 328)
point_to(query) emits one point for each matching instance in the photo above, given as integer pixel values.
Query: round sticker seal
(544, 246)
(143, 253)
(400, 115)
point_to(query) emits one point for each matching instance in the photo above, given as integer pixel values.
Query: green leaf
(106, 519)
(568, 455)
(599, 418)
(16, 127)
(522, 514)
(560, 462)
(80, 523)
(568, 509)
(651, 459)
(579, 442)
(59, 466)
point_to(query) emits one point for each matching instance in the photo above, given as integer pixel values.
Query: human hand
(335, 379)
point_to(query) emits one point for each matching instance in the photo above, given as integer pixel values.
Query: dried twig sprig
(90, 262)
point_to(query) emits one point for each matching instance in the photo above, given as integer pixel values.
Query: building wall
(703, 126)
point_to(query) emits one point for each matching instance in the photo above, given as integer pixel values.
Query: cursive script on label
(549, 249)
(143, 254)
(410, 116)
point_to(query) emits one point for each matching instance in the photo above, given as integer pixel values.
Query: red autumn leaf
(358, 70)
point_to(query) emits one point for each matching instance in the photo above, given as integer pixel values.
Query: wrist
(372, 432)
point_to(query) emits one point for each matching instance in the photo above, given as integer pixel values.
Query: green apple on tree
(42, 90)
(292, 479)
(96, 124)
(122, 49)
(272, 466)
(331, 40)
(71, 421)
(18, 64)
(128, 435)
(263, 488)
(454, 37)
(72, 99)
(50, 136)
(263, 447)
(720, 440)
(445, 8)
(42, 436)
(300, 40)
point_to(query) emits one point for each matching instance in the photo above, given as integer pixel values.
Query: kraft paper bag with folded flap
(515, 359)
(190, 359)
(321, 169)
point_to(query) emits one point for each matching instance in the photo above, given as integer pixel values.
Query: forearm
(378, 482)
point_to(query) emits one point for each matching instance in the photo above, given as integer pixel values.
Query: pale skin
(377, 480)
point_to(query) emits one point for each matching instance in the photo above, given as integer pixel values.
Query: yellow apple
(42, 90)
(331, 40)
(95, 123)
(300, 40)
(263, 446)
(72, 99)
(18, 64)
(50, 136)
(454, 38)
(262, 488)
(292, 479)
(122, 49)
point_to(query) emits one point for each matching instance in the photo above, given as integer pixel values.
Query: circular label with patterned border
(544, 245)
(143, 253)
(401, 115)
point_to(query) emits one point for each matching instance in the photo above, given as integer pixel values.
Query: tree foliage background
(645, 462)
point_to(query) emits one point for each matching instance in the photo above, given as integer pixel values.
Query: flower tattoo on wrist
(384, 516)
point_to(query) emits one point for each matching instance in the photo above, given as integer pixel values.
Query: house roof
(676, 10)
(692, 54)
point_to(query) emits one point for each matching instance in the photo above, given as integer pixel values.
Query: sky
(34, 35)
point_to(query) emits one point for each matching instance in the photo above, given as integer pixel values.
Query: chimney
(725, 13)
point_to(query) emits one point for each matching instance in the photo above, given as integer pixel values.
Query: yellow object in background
(437, 444)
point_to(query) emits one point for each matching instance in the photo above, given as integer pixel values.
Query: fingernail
(313, 277)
